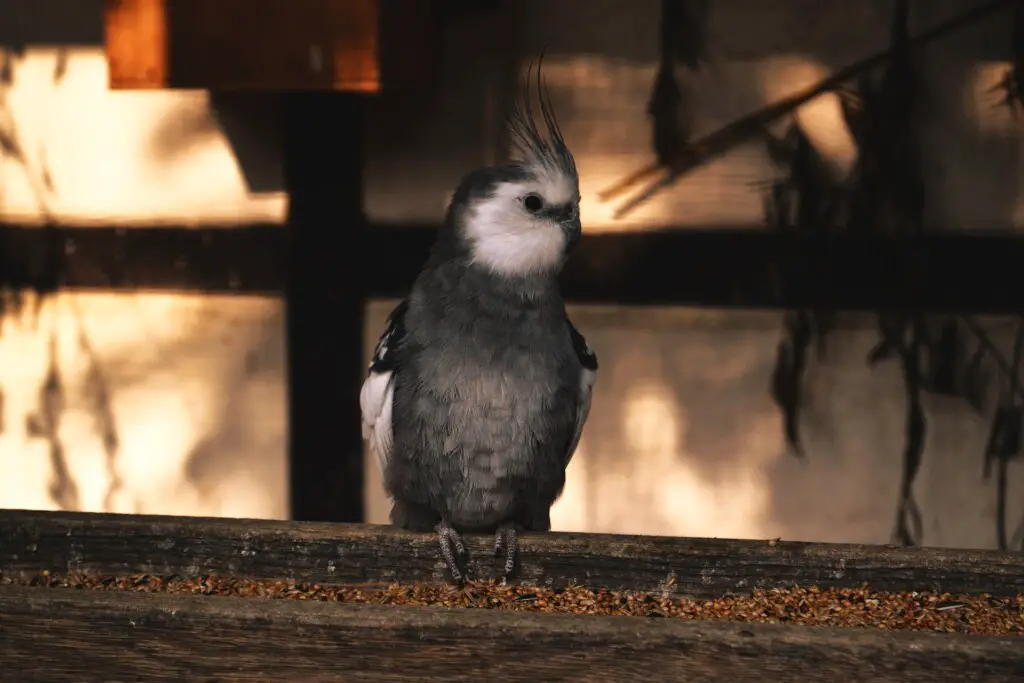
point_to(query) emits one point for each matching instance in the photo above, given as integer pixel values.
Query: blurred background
(164, 342)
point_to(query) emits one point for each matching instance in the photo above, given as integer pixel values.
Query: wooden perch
(104, 634)
(93, 636)
(356, 553)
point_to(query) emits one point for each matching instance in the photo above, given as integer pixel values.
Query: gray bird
(480, 385)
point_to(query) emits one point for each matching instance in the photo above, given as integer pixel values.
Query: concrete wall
(683, 438)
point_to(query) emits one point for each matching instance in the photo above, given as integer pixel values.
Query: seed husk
(812, 606)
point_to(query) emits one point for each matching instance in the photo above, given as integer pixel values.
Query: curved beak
(573, 229)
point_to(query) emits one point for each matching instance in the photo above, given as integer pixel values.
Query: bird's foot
(506, 542)
(453, 551)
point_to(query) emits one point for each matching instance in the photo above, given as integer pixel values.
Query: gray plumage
(480, 385)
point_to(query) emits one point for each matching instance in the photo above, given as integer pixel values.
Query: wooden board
(354, 553)
(240, 44)
(733, 268)
(322, 132)
(136, 43)
(61, 635)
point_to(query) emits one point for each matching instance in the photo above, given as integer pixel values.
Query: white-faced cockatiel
(480, 386)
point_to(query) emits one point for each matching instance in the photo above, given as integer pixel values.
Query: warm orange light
(195, 383)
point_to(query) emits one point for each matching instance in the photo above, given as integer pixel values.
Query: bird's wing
(588, 375)
(378, 392)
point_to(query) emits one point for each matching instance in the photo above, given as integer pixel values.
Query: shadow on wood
(61, 635)
(367, 554)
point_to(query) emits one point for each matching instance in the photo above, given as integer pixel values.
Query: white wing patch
(376, 398)
(375, 401)
(588, 376)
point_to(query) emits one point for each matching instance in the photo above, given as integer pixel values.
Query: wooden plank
(63, 635)
(325, 304)
(249, 259)
(236, 44)
(373, 554)
(751, 268)
(720, 268)
(136, 44)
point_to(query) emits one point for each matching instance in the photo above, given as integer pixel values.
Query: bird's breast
(502, 381)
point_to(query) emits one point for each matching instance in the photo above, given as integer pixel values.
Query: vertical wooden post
(323, 166)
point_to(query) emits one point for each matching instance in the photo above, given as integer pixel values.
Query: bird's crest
(550, 155)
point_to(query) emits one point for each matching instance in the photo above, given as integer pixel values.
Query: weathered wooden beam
(62, 635)
(136, 43)
(714, 267)
(755, 268)
(238, 44)
(325, 304)
(248, 259)
(348, 553)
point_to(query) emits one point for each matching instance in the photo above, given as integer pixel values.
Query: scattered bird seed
(813, 606)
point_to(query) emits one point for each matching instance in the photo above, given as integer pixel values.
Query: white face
(511, 232)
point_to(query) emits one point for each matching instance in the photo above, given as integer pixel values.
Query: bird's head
(521, 219)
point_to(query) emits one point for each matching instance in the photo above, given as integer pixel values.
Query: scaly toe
(453, 551)
(499, 542)
(506, 541)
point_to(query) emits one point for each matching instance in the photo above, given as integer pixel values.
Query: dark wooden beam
(744, 268)
(249, 259)
(84, 636)
(373, 554)
(723, 268)
(234, 44)
(325, 294)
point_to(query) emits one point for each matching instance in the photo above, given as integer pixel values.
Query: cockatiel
(480, 385)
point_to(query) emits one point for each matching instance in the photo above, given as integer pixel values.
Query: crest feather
(551, 154)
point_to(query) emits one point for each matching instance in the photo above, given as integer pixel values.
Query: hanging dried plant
(807, 201)
(885, 195)
(1005, 432)
(888, 197)
(681, 44)
(750, 126)
(1004, 439)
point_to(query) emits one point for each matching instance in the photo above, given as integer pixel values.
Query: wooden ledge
(349, 553)
(122, 636)
(119, 635)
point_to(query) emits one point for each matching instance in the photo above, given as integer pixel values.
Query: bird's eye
(533, 202)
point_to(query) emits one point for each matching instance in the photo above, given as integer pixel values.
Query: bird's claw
(506, 541)
(453, 551)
